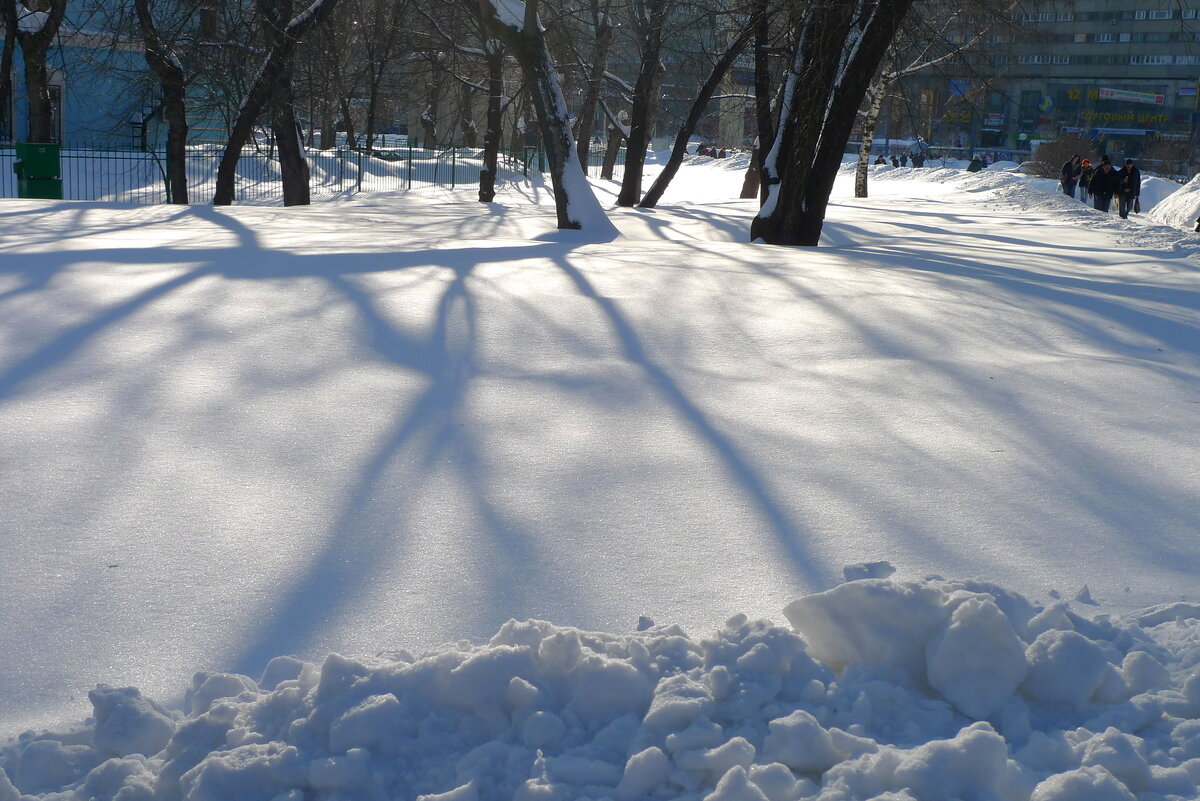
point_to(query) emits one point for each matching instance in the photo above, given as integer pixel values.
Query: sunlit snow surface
(234, 434)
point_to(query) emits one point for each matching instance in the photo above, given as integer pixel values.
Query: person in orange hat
(1085, 176)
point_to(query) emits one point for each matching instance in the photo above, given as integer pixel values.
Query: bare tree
(172, 81)
(927, 46)
(737, 43)
(650, 17)
(838, 47)
(36, 29)
(274, 72)
(574, 201)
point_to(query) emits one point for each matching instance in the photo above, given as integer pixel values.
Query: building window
(1125, 37)
(1164, 14)
(1188, 13)
(56, 94)
(1139, 14)
(1065, 16)
(1062, 59)
(1104, 37)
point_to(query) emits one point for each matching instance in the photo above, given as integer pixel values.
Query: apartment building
(1121, 72)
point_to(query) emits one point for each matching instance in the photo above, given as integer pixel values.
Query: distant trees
(636, 69)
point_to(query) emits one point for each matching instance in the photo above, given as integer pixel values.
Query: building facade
(1122, 73)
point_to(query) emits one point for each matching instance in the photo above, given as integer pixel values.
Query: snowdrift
(1181, 208)
(931, 690)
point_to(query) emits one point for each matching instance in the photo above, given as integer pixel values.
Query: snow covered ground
(376, 428)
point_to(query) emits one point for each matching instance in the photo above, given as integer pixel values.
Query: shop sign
(1132, 97)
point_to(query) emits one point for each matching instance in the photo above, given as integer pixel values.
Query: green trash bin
(39, 170)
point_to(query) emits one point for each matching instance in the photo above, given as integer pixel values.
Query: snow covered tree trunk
(495, 117)
(655, 193)
(645, 99)
(173, 84)
(574, 201)
(273, 71)
(838, 48)
(587, 111)
(875, 97)
(35, 40)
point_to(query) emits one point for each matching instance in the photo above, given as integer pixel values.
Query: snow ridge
(930, 690)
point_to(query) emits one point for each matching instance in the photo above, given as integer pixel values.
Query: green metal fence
(135, 176)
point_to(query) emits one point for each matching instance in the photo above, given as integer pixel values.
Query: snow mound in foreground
(932, 690)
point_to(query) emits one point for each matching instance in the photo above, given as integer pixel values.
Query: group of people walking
(918, 160)
(1103, 183)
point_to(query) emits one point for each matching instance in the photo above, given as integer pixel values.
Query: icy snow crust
(932, 690)
(233, 434)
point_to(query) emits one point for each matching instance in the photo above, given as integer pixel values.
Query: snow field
(386, 425)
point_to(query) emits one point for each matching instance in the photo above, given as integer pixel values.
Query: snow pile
(1181, 209)
(931, 690)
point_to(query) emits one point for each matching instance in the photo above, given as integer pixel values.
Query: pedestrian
(1104, 185)
(1128, 195)
(895, 161)
(903, 159)
(918, 159)
(880, 159)
(1071, 171)
(1085, 176)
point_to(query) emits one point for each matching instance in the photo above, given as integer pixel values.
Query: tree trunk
(574, 201)
(693, 119)
(751, 181)
(34, 48)
(348, 122)
(293, 166)
(8, 15)
(762, 96)
(611, 151)
(173, 84)
(839, 47)
(429, 116)
(466, 121)
(645, 103)
(495, 119)
(587, 112)
(875, 95)
(275, 69)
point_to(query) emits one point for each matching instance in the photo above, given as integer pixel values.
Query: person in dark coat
(1071, 171)
(903, 159)
(975, 166)
(1103, 186)
(1130, 180)
(1085, 177)
(895, 161)
(880, 159)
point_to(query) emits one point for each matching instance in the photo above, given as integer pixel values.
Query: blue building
(102, 92)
